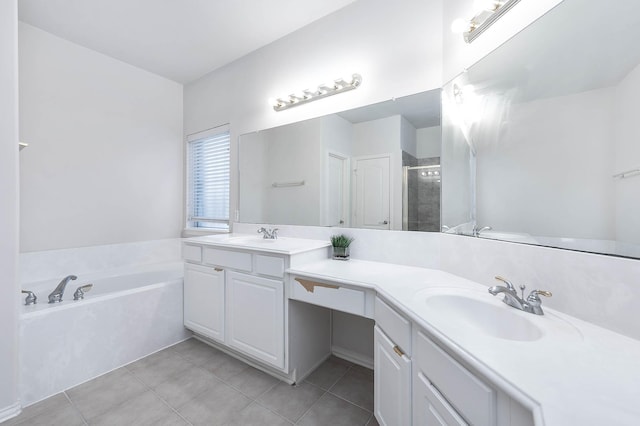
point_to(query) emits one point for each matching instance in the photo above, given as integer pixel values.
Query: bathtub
(128, 314)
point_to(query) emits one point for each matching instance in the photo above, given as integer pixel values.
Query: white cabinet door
(255, 317)
(392, 387)
(372, 193)
(204, 300)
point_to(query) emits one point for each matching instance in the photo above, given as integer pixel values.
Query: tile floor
(192, 383)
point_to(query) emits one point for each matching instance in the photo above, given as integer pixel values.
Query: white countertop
(575, 374)
(281, 245)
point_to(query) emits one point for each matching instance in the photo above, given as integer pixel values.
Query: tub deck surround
(583, 374)
(130, 313)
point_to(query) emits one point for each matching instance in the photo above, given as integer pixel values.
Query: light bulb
(488, 5)
(460, 25)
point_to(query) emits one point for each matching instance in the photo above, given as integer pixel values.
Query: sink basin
(474, 313)
(484, 317)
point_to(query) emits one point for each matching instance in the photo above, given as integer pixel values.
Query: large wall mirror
(374, 167)
(542, 136)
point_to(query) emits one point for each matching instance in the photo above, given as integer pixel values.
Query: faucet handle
(31, 297)
(80, 291)
(534, 294)
(507, 282)
(534, 302)
(274, 233)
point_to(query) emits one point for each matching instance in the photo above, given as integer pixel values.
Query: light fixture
(486, 12)
(324, 90)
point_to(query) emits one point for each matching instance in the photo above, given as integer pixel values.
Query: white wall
(9, 303)
(408, 137)
(548, 170)
(627, 157)
(429, 140)
(104, 163)
(253, 177)
(294, 153)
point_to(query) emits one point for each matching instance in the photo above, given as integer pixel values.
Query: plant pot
(341, 253)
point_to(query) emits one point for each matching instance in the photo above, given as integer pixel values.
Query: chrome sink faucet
(532, 304)
(56, 295)
(268, 234)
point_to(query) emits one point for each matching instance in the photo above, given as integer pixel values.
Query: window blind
(208, 181)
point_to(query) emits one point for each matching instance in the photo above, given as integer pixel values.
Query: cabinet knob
(397, 350)
(218, 269)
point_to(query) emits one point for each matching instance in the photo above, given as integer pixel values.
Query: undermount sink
(485, 317)
(474, 313)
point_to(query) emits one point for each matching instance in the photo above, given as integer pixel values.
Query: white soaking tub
(128, 314)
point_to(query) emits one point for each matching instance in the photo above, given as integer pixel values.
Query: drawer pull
(311, 285)
(397, 350)
(218, 269)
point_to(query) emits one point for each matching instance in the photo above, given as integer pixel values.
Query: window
(208, 167)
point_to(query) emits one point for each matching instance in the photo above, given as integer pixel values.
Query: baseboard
(352, 356)
(10, 411)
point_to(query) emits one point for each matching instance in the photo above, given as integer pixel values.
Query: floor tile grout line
(75, 408)
(350, 402)
(338, 379)
(269, 409)
(312, 405)
(172, 408)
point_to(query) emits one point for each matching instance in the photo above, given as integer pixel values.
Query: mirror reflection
(542, 135)
(374, 167)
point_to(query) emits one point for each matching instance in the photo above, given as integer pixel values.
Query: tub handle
(31, 298)
(80, 291)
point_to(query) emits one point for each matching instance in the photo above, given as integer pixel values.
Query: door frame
(346, 187)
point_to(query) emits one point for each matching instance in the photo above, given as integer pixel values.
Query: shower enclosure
(421, 198)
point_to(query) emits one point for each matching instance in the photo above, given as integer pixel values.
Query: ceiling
(421, 110)
(179, 40)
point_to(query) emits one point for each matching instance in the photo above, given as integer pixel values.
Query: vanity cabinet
(204, 300)
(392, 366)
(235, 299)
(255, 316)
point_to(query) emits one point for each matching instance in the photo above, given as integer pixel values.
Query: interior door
(371, 194)
(337, 190)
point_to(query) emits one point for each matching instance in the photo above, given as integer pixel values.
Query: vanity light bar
(323, 91)
(484, 18)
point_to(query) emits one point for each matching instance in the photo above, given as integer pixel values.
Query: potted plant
(340, 245)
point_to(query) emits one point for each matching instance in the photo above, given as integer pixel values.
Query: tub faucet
(268, 234)
(532, 304)
(476, 231)
(56, 295)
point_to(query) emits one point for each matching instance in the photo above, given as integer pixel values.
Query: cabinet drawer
(269, 265)
(353, 301)
(227, 258)
(437, 409)
(473, 399)
(397, 327)
(192, 253)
